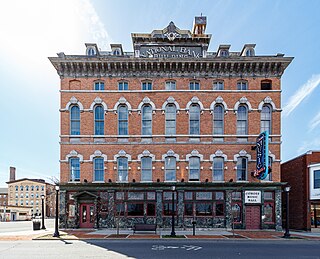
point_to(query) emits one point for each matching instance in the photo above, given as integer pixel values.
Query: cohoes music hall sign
(170, 52)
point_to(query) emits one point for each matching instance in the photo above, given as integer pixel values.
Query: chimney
(12, 174)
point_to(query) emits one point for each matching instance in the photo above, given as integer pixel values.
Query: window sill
(98, 182)
(74, 181)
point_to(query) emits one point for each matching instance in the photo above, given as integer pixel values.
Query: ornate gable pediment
(171, 32)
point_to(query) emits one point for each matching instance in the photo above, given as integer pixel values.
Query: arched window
(122, 169)
(218, 119)
(21, 188)
(146, 168)
(217, 169)
(170, 168)
(170, 119)
(74, 169)
(242, 120)
(242, 165)
(98, 120)
(266, 119)
(17, 188)
(122, 120)
(194, 168)
(75, 120)
(242, 85)
(27, 188)
(194, 119)
(98, 167)
(146, 120)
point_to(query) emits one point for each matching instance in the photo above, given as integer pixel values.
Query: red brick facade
(79, 74)
(296, 173)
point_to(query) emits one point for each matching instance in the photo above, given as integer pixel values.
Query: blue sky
(33, 30)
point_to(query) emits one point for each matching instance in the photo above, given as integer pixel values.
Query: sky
(33, 30)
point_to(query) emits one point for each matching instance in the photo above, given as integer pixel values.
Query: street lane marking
(186, 247)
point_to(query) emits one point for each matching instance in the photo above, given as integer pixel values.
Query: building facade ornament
(194, 153)
(267, 100)
(218, 153)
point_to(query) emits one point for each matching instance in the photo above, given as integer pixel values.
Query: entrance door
(86, 215)
(253, 217)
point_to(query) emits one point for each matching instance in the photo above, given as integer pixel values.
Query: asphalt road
(98, 249)
(212, 249)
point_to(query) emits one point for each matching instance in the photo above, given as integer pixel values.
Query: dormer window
(116, 52)
(91, 52)
(224, 53)
(250, 52)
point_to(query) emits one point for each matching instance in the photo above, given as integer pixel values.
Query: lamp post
(287, 190)
(42, 212)
(56, 231)
(173, 233)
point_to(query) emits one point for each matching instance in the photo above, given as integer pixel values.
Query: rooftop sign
(170, 51)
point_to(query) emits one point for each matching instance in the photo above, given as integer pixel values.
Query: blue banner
(262, 151)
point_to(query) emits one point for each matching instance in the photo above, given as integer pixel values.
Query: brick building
(169, 117)
(303, 175)
(27, 193)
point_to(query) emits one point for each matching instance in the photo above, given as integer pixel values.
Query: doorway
(253, 217)
(86, 215)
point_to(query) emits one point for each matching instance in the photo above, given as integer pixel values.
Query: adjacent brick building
(170, 116)
(27, 194)
(303, 175)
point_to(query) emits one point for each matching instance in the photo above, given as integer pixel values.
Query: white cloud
(304, 91)
(93, 23)
(314, 122)
(314, 144)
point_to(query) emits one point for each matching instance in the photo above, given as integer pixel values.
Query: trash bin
(36, 225)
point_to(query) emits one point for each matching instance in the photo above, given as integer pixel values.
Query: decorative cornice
(233, 66)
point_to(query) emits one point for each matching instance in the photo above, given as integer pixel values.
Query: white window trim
(122, 153)
(218, 100)
(195, 100)
(267, 101)
(98, 101)
(122, 101)
(170, 100)
(98, 153)
(72, 154)
(196, 154)
(146, 153)
(146, 101)
(242, 100)
(73, 101)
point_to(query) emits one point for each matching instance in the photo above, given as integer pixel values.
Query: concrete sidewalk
(84, 234)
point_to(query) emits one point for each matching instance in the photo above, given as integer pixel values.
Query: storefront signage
(170, 51)
(252, 196)
(262, 151)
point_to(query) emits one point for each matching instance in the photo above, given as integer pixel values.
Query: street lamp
(42, 199)
(287, 190)
(173, 233)
(56, 231)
